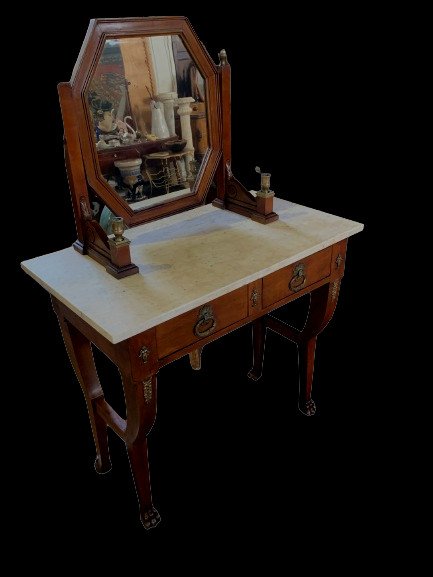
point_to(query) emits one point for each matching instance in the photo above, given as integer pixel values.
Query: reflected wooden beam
(139, 73)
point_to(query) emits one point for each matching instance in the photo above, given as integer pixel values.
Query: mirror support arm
(73, 159)
(91, 238)
(231, 194)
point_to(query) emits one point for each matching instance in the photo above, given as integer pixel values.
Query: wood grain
(179, 332)
(276, 285)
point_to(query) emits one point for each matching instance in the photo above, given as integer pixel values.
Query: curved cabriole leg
(322, 307)
(140, 397)
(259, 337)
(81, 356)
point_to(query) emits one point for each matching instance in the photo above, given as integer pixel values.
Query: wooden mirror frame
(84, 174)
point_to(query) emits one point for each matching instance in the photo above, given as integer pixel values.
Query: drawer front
(201, 322)
(297, 276)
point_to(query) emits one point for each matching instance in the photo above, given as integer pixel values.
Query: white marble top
(185, 261)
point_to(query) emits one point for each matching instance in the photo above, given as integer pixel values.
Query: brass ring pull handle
(206, 323)
(298, 279)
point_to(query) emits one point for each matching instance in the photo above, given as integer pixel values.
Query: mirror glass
(147, 105)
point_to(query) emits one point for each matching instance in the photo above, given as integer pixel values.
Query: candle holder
(265, 184)
(118, 228)
(120, 255)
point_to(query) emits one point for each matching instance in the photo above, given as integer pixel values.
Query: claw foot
(150, 518)
(253, 375)
(100, 468)
(308, 408)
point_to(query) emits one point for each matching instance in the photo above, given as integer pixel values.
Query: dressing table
(173, 273)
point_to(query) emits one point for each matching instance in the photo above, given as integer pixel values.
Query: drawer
(297, 276)
(201, 322)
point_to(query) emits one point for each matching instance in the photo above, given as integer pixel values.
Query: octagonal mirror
(144, 92)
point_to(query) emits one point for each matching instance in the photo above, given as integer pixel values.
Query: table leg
(322, 307)
(259, 336)
(81, 357)
(140, 397)
(306, 352)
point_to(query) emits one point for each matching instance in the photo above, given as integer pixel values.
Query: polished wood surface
(179, 332)
(284, 282)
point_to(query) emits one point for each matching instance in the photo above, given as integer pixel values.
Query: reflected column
(184, 112)
(167, 99)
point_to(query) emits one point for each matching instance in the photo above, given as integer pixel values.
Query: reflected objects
(159, 125)
(132, 180)
(167, 170)
(175, 145)
(105, 220)
(146, 101)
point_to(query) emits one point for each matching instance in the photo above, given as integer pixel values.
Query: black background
(224, 451)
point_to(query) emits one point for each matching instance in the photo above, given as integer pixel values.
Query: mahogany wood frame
(139, 360)
(231, 194)
(81, 156)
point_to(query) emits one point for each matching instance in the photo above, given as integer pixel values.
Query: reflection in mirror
(147, 106)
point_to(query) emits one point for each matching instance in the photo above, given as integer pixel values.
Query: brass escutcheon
(254, 298)
(206, 323)
(299, 278)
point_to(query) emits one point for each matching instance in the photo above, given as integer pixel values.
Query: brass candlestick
(265, 181)
(265, 184)
(118, 228)
(119, 246)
